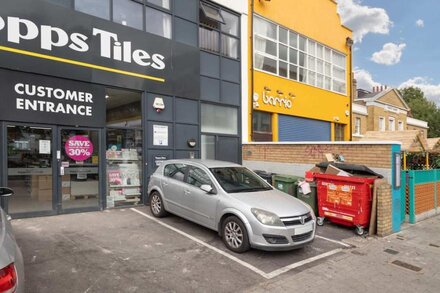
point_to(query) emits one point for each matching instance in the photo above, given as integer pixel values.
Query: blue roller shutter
(301, 129)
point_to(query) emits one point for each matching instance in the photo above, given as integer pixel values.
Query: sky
(397, 43)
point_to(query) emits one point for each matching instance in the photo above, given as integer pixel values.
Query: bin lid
(353, 169)
(287, 178)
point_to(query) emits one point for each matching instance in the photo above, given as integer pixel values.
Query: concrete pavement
(408, 261)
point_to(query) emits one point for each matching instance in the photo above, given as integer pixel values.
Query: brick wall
(384, 210)
(424, 197)
(371, 155)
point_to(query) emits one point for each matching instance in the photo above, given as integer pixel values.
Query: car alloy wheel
(156, 205)
(235, 235)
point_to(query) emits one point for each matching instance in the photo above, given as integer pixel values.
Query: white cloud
(389, 55)
(420, 23)
(431, 91)
(364, 80)
(363, 19)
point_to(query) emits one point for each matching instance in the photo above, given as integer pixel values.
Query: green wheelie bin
(287, 183)
(311, 198)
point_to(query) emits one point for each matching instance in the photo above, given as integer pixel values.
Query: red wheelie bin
(344, 200)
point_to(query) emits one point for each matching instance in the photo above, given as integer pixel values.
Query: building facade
(91, 106)
(384, 109)
(299, 73)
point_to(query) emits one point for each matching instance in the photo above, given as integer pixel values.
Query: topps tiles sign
(35, 37)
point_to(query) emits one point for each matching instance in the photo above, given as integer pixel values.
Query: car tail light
(8, 279)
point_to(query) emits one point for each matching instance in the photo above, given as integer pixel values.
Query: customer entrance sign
(79, 148)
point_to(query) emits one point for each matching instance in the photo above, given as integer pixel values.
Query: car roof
(206, 163)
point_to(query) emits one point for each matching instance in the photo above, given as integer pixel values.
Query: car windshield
(239, 179)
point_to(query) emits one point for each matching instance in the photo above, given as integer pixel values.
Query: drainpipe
(349, 43)
(251, 100)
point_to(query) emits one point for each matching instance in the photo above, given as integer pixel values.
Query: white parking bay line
(334, 241)
(237, 260)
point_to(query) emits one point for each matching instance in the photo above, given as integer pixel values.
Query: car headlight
(267, 218)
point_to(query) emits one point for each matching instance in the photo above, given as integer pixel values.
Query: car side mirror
(6, 192)
(207, 188)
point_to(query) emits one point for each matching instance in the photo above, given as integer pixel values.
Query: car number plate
(302, 230)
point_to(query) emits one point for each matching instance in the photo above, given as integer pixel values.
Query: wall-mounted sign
(160, 135)
(34, 98)
(277, 101)
(79, 148)
(35, 37)
(159, 159)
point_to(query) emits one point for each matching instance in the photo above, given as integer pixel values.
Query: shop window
(158, 22)
(124, 147)
(339, 132)
(161, 3)
(219, 119)
(96, 8)
(261, 126)
(128, 13)
(208, 147)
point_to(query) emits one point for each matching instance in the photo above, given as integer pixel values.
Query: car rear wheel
(156, 205)
(234, 235)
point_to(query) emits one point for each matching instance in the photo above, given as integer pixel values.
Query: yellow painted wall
(317, 20)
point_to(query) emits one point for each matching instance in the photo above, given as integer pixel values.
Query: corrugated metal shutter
(301, 129)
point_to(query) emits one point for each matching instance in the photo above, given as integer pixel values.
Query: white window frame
(400, 125)
(306, 68)
(382, 124)
(391, 124)
(357, 125)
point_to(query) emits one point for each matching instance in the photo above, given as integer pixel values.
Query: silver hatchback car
(231, 199)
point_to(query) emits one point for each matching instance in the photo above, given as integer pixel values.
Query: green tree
(422, 108)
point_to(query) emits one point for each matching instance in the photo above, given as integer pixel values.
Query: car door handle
(187, 192)
(164, 184)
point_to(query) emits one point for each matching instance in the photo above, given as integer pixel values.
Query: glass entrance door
(30, 168)
(78, 162)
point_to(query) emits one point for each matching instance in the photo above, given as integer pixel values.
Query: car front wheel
(156, 205)
(234, 235)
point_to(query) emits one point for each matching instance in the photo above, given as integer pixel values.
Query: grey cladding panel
(230, 93)
(187, 9)
(209, 65)
(185, 132)
(155, 156)
(164, 115)
(187, 154)
(209, 89)
(187, 111)
(230, 70)
(186, 32)
(227, 149)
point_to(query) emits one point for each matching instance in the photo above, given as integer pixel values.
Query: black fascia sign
(40, 99)
(35, 37)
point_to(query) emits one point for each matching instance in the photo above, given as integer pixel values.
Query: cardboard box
(336, 171)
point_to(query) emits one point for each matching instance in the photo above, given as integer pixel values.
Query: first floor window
(400, 126)
(357, 126)
(391, 124)
(381, 124)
